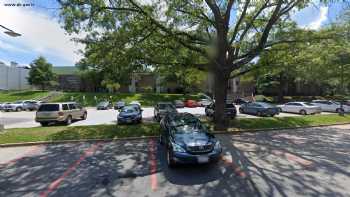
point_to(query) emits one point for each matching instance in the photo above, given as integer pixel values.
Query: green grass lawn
(56, 133)
(10, 96)
(288, 122)
(146, 99)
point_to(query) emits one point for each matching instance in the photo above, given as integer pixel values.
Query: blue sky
(42, 33)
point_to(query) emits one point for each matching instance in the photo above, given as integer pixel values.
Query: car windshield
(309, 104)
(103, 103)
(18, 102)
(188, 124)
(49, 107)
(128, 110)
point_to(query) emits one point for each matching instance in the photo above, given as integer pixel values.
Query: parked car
(129, 114)
(135, 103)
(302, 108)
(191, 103)
(162, 108)
(119, 105)
(2, 105)
(331, 106)
(230, 110)
(259, 109)
(104, 105)
(179, 104)
(19, 105)
(187, 140)
(32, 105)
(240, 101)
(60, 113)
(204, 102)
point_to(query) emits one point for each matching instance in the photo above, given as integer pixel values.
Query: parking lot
(303, 162)
(25, 119)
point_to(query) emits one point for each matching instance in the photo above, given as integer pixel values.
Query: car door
(249, 108)
(288, 107)
(298, 107)
(73, 111)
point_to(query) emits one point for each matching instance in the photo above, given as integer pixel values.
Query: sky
(42, 32)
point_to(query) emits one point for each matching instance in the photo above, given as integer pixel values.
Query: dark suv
(187, 140)
(230, 110)
(162, 108)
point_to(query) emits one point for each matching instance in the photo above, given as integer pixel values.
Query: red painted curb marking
(153, 164)
(30, 152)
(236, 168)
(294, 158)
(55, 184)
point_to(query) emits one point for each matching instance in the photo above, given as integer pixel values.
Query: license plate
(128, 121)
(203, 159)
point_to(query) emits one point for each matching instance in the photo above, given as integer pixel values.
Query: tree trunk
(220, 83)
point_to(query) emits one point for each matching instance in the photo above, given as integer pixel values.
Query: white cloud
(40, 34)
(323, 16)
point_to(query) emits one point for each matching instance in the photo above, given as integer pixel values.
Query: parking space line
(55, 184)
(236, 168)
(153, 164)
(30, 152)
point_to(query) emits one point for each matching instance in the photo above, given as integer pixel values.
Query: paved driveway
(303, 162)
(96, 117)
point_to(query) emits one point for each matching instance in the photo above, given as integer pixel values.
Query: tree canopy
(41, 74)
(214, 35)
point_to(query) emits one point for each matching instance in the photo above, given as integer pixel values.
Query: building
(14, 77)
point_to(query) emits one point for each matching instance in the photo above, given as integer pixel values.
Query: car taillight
(60, 113)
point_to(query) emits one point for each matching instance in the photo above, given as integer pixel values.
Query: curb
(274, 129)
(74, 141)
(152, 137)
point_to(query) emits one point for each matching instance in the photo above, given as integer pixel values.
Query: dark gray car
(163, 108)
(259, 109)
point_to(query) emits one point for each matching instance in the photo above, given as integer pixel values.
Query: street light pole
(10, 32)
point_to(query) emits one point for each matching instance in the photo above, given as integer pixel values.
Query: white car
(302, 108)
(331, 106)
(205, 102)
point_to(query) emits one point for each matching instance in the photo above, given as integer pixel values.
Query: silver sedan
(302, 108)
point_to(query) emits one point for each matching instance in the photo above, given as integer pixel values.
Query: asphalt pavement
(25, 119)
(301, 162)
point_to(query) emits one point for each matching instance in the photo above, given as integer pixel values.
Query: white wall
(13, 78)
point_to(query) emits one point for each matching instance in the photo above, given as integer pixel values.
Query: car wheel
(84, 116)
(302, 112)
(259, 113)
(69, 120)
(170, 159)
(241, 110)
(340, 110)
(280, 110)
(44, 124)
(19, 109)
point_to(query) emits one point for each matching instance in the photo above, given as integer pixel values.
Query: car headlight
(177, 148)
(217, 146)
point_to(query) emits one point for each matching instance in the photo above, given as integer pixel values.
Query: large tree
(222, 36)
(41, 74)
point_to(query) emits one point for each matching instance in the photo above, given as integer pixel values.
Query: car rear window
(49, 107)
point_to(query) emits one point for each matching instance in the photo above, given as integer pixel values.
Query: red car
(191, 103)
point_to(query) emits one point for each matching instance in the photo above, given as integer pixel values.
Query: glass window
(49, 107)
(65, 107)
(72, 106)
